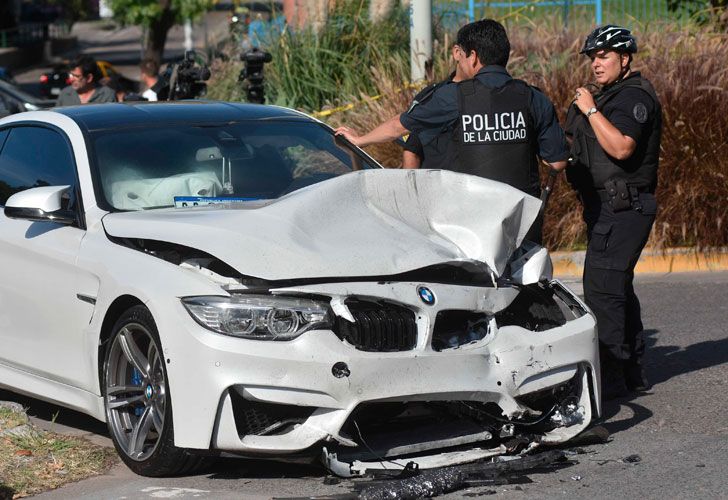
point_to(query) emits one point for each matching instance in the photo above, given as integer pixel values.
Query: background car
(7, 75)
(216, 278)
(52, 82)
(15, 100)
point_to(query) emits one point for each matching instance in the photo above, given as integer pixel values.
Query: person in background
(115, 85)
(149, 77)
(85, 87)
(615, 149)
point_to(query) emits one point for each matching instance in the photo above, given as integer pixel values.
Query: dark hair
(88, 66)
(149, 67)
(488, 39)
(114, 83)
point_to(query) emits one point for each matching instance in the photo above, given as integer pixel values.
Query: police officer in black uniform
(615, 145)
(496, 126)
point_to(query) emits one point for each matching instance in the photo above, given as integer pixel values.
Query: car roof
(129, 114)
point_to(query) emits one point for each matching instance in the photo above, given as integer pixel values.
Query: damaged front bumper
(442, 400)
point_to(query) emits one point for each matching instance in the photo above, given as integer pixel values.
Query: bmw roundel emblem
(426, 295)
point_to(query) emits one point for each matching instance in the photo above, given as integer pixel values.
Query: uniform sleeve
(413, 145)
(630, 111)
(552, 145)
(430, 117)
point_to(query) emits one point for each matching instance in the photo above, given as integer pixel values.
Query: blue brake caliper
(137, 379)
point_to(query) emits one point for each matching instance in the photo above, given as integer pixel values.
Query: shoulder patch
(640, 112)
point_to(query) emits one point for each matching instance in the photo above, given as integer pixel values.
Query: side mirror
(41, 204)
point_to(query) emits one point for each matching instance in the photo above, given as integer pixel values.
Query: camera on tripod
(254, 60)
(183, 80)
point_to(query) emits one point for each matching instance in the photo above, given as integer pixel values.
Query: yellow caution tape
(346, 107)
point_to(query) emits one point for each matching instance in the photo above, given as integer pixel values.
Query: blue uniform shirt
(429, 118)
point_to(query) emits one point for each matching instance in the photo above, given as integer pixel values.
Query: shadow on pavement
(612, 408)
(241, 468)
(57, 414)
(666, 362)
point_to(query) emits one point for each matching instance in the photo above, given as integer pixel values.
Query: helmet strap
(624, 71)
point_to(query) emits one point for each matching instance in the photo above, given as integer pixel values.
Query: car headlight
(263, 317)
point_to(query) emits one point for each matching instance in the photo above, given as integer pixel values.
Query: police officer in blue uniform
(615, 145)
(496, 126)
(414, 154)
(436, 153)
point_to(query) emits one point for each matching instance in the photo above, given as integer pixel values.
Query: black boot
(634, 376)
(613, 381)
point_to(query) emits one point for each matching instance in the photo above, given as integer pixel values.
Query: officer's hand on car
(583, 100)
(348, 134)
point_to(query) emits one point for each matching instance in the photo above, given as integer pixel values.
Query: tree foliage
(157, 16)
(73, 10)
(146, 12)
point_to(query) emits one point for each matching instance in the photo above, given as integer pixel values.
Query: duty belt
(634, 191)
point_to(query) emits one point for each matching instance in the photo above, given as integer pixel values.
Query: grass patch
(9, 418)
(33, 461)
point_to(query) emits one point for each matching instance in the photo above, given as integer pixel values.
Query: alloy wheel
(136, 391)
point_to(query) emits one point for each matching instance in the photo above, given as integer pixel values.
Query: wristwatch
(591, 111)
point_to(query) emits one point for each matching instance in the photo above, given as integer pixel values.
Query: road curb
(652, 261)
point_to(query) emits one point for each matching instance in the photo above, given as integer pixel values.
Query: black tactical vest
(594, 165)
(494, 137)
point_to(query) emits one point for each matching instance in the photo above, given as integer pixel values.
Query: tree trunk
(157, 34)
(380, 9)
(316, 13)
(307, 13)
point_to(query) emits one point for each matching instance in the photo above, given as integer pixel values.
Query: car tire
(137, 399)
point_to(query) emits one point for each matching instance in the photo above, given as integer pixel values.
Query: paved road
(679, 429)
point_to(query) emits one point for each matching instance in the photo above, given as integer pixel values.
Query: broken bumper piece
(566, 419)
(526, 376)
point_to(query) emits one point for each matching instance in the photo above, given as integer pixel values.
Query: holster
(620, 195)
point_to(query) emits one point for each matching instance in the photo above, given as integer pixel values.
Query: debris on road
(434, 482)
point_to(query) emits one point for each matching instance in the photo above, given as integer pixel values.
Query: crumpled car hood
(367, 223)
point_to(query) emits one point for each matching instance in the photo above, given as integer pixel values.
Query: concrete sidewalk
(670, 260)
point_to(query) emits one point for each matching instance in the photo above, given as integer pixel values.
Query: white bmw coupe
(213, 278)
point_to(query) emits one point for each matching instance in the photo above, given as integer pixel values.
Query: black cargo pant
(616, 240)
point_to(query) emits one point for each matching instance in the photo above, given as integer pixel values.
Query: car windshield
(185, 165)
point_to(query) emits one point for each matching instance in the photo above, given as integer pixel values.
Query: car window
(306, 160)
(32, 157)
(152, 167)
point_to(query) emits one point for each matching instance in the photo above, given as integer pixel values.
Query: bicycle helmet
(610, 37)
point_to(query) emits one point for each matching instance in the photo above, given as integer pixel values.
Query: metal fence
(32, 33)
(593, 12)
